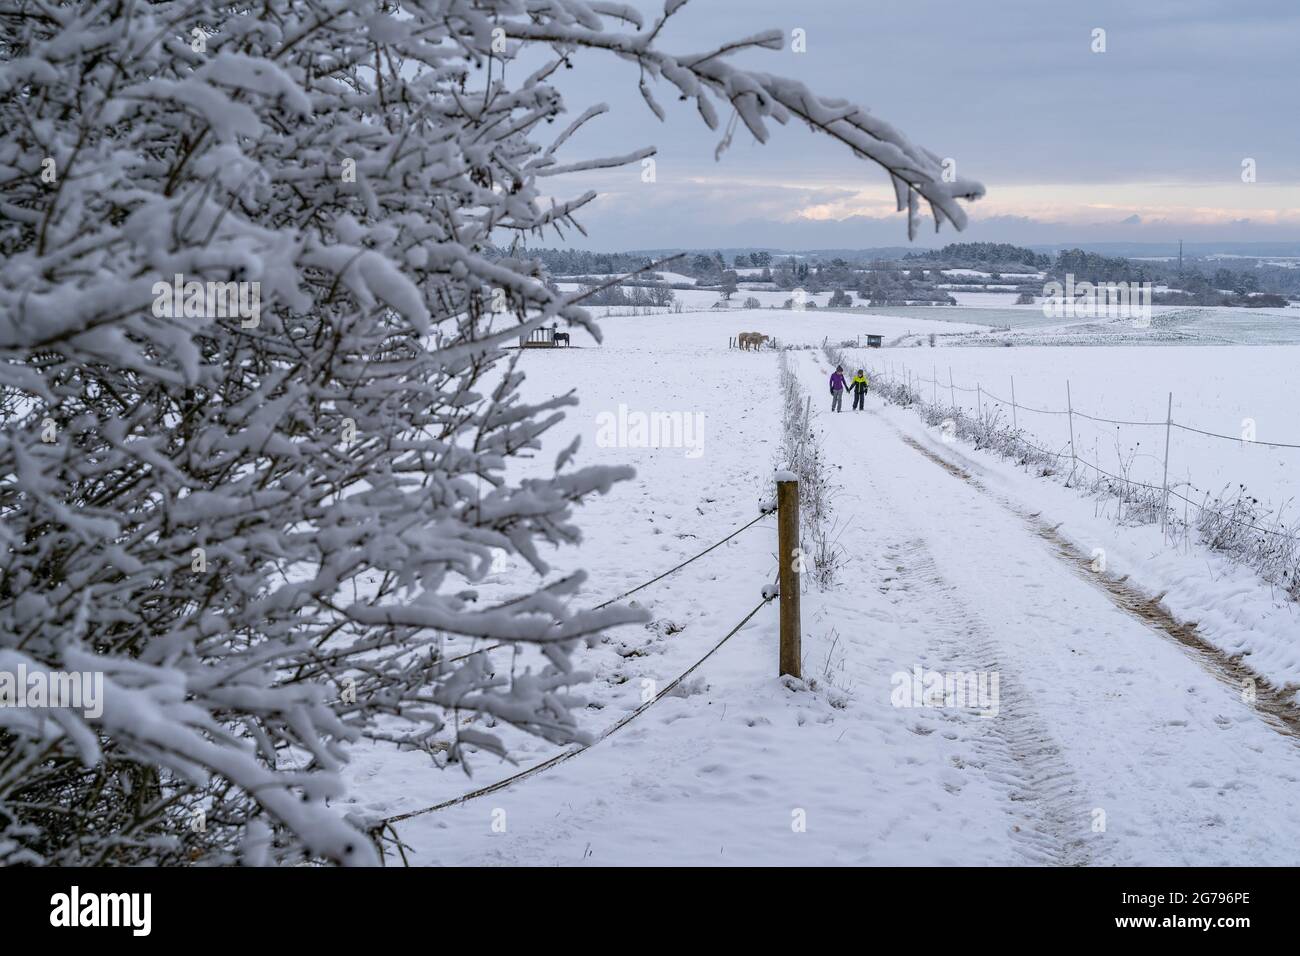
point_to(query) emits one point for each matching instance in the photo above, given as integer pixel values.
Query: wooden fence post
(787, 534)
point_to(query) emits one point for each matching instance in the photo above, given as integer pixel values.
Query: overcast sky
(1144, 142)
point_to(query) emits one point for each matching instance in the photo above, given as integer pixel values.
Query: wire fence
(913, 382)
(387, 825)
(917, 380)
(766, 509)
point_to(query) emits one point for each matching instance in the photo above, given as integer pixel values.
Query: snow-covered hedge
(257, 516)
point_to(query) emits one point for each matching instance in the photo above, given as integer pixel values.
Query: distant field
(992, 318)
(1170, 325)
(1216, 387)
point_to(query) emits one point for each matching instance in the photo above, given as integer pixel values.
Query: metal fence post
(1014, 425)
(1069, 404)
(1164, 501)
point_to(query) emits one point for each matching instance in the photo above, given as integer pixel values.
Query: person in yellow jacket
(859, 387)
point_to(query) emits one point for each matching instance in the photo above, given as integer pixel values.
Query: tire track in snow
(1172, 769)
(1273, 704)
(1014, 749)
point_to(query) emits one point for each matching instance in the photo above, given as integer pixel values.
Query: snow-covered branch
(257, 411)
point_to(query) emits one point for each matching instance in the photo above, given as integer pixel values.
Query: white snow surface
(1112, 744)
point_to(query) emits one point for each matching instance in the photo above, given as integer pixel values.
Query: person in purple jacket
(837, 389)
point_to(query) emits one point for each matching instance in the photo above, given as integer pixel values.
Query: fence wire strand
(1203, 506)
(1244, 441)
(1117, 421)
(763, 514)
(696, 557)
(1095, 418)
(387, 822)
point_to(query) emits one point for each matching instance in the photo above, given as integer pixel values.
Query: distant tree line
(658, 296)
(1093, 267)
(973, 255)
(575, 262)
(915, 277)
(710, 268)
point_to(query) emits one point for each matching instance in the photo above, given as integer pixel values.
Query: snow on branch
(259, 407)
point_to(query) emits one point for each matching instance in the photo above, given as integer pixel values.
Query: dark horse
(558, 337)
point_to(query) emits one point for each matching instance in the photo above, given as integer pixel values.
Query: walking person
(837, 389)
(859, 386)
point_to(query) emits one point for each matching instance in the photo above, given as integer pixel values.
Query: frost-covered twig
(262, 528)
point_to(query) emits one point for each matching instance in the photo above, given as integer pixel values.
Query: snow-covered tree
(260, 524)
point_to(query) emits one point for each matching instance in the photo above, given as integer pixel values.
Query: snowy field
(1005, 323)
(1112, 742)
(1224, 390)
(710, 330)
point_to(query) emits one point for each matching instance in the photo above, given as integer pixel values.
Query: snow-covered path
(1100, 712)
